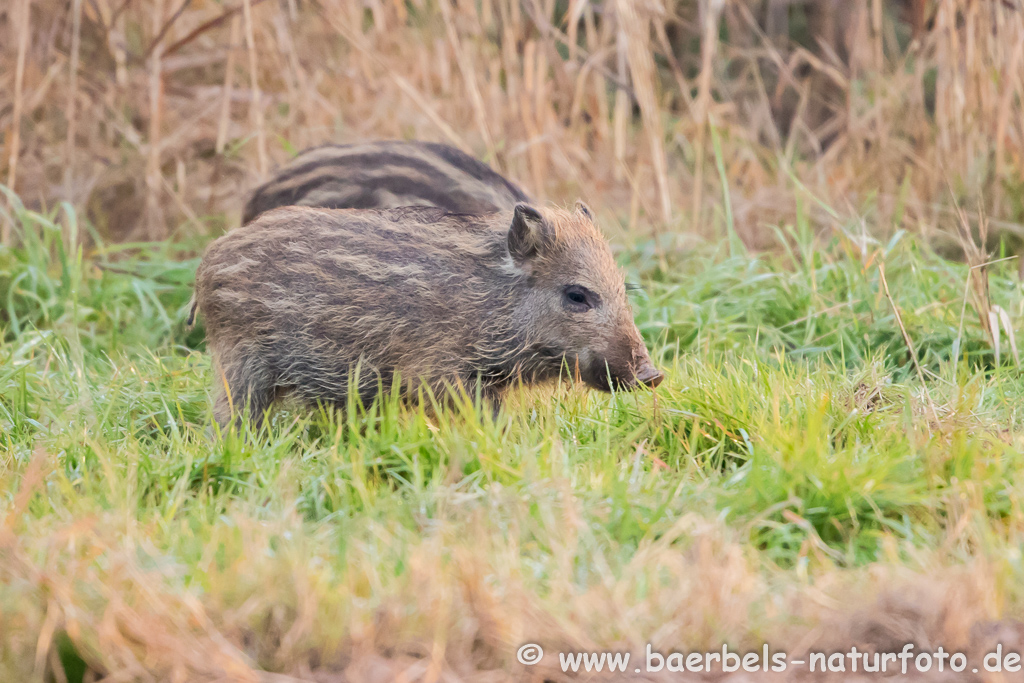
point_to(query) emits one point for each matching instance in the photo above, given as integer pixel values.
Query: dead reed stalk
(641, 65)
(229, 73)
(469, 74)
(155, 222)
(24, 9)
(256, 107)
(72, 112)
(709, 12)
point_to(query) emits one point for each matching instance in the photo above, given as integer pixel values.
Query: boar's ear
(527, 233)
(584, 210)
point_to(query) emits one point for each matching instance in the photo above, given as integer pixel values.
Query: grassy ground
(792, 482)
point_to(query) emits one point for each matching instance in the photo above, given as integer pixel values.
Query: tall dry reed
(151, 113)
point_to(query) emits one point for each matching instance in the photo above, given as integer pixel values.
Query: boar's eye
(578, 299)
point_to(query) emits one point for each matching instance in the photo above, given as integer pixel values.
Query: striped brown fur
(303, 296)
(385, 174)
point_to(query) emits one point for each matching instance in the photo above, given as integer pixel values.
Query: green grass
(791, 443)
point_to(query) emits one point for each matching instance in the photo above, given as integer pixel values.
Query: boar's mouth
(601, 373)
(603, 376)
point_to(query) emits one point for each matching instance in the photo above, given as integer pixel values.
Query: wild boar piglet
(385, 174)
(317, 303)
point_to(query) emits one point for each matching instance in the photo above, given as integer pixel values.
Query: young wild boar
(385, 174)
(300, 298)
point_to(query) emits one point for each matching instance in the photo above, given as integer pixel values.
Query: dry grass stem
(910, 344)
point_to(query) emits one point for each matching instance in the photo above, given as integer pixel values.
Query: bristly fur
(385, 174)
(298, 300)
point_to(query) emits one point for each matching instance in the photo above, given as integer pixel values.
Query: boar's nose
(649, 376)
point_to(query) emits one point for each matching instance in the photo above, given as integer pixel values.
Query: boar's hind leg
(242, 389)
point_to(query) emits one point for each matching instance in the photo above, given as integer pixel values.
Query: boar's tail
(193, 306)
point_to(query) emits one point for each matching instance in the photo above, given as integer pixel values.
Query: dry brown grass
(459, 604)
(153, 113)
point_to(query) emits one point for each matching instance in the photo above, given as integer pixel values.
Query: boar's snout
(628, 375)
(650, 376)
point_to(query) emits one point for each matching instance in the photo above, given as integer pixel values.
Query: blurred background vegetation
(157, 115)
